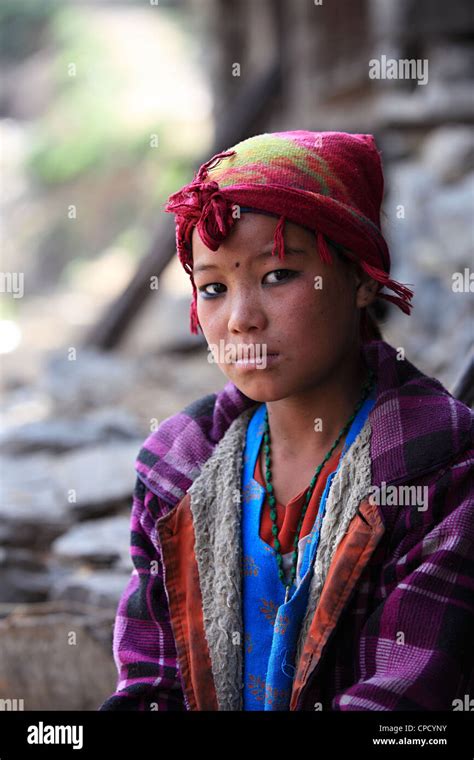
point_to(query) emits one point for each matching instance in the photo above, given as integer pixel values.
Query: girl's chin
(262, 389)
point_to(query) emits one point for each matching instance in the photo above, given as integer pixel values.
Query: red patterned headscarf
(329, 182)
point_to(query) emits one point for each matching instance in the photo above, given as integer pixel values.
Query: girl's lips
(259, 363)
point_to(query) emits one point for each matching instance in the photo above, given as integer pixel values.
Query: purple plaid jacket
(419, 580)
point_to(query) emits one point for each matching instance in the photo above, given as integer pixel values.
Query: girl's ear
(366, 288)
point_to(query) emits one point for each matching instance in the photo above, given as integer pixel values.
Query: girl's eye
(288, 274)
(205, 293)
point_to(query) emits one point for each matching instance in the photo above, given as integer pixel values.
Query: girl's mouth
(257, 363)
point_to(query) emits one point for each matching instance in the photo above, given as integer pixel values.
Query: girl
(302, 540)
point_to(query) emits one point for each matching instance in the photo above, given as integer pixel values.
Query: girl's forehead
(255, 231)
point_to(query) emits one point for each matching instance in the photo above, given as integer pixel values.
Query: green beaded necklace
(367, 388)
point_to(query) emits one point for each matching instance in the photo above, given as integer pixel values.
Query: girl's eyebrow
(290, 250)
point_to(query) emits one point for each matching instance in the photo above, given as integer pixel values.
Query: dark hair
(369, 327)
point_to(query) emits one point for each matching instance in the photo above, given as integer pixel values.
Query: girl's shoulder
(418, 425)
(173, 454)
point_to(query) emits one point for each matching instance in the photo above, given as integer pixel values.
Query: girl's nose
(246, 314)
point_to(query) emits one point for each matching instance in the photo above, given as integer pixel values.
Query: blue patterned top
(271, 627)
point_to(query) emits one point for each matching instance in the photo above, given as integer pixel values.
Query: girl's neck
(306, 425)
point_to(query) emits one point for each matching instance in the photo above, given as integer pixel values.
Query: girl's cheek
(211, 319)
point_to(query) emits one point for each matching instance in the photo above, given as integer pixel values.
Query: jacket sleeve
(415, 650)
(143, 643)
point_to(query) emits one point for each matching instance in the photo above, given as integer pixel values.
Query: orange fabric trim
(176, 532)
(351, 557)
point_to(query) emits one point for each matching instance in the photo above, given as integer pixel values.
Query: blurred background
(105, 109)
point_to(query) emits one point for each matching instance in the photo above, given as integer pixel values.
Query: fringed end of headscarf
(404, 294)
(279, 240)
(323, 249)
(193, 316)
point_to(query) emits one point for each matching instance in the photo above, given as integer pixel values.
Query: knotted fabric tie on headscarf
(329, 182)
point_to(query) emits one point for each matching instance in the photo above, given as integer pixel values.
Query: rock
(58, 435)
(97, 480)
(397, 145)
(33, 512)
(17, 585)
(449, 152)
(100, 588)
(42, 495)
(22, 405)
(98, 542)
(451, 225)
(451, 62)
(92, 379)
(430, 242)
(24, 576)
(428, 106)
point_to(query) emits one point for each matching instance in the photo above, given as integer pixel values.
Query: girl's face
(304, 311)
